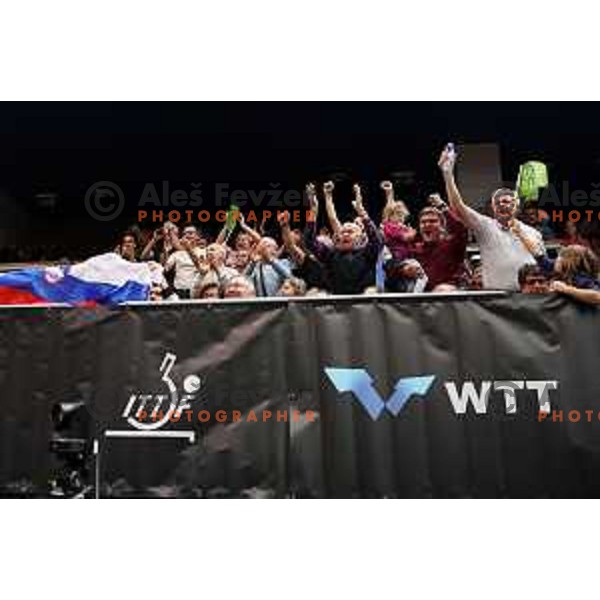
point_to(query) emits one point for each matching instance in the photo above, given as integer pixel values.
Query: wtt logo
(360, 383)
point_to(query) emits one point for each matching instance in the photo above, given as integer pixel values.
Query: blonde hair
(396, 207)
(576, 260)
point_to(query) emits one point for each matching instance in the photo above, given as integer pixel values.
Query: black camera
(71, 446)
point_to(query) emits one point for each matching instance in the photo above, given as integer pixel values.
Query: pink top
(396, 237)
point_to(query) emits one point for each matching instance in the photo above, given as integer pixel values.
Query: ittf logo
(360, 383)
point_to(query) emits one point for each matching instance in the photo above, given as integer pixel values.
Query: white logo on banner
(149, 413)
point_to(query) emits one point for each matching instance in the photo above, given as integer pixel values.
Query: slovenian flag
(104, 279)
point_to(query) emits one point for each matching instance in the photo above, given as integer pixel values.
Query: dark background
(62, 148)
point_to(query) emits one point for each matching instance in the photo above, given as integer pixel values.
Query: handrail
(286, 300)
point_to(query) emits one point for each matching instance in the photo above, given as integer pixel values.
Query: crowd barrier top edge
(331, 299)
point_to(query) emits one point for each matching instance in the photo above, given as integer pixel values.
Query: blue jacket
(268, 277)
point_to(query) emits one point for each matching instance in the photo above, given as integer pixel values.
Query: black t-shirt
(311, 271)
(351, 272)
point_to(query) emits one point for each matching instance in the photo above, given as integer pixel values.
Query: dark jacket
(352, 271)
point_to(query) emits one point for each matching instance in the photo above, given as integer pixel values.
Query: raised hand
(172, 235)
(328, 188)
(447, 159)
(436, 201)
(284, 218)
(314, 204)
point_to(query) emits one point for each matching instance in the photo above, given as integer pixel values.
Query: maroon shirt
(443, 261)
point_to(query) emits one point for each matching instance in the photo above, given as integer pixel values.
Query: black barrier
(327, 397)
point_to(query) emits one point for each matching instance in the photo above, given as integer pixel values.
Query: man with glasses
(533, 280)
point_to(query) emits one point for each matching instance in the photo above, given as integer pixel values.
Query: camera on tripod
(71, 445)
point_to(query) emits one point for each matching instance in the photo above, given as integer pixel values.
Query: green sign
(533, 175)
(231, 217)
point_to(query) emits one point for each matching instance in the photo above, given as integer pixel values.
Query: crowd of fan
(358, 256)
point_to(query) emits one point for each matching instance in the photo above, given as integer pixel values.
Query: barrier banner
(424, 396)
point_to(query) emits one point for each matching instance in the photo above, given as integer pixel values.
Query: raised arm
(201, 266)
(173, 237)
(321, 251)
(374, 240)
(256, 237)
(146, 252)
(222, 237)
(388, 190)
(464, 213)
(334, 222)
(295, 252)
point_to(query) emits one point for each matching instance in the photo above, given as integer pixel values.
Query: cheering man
(350, 263)
(502, 251)
(441, 244)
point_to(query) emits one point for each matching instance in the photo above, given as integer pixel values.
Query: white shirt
(502, 252)
(157, 275)
(185, 270)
